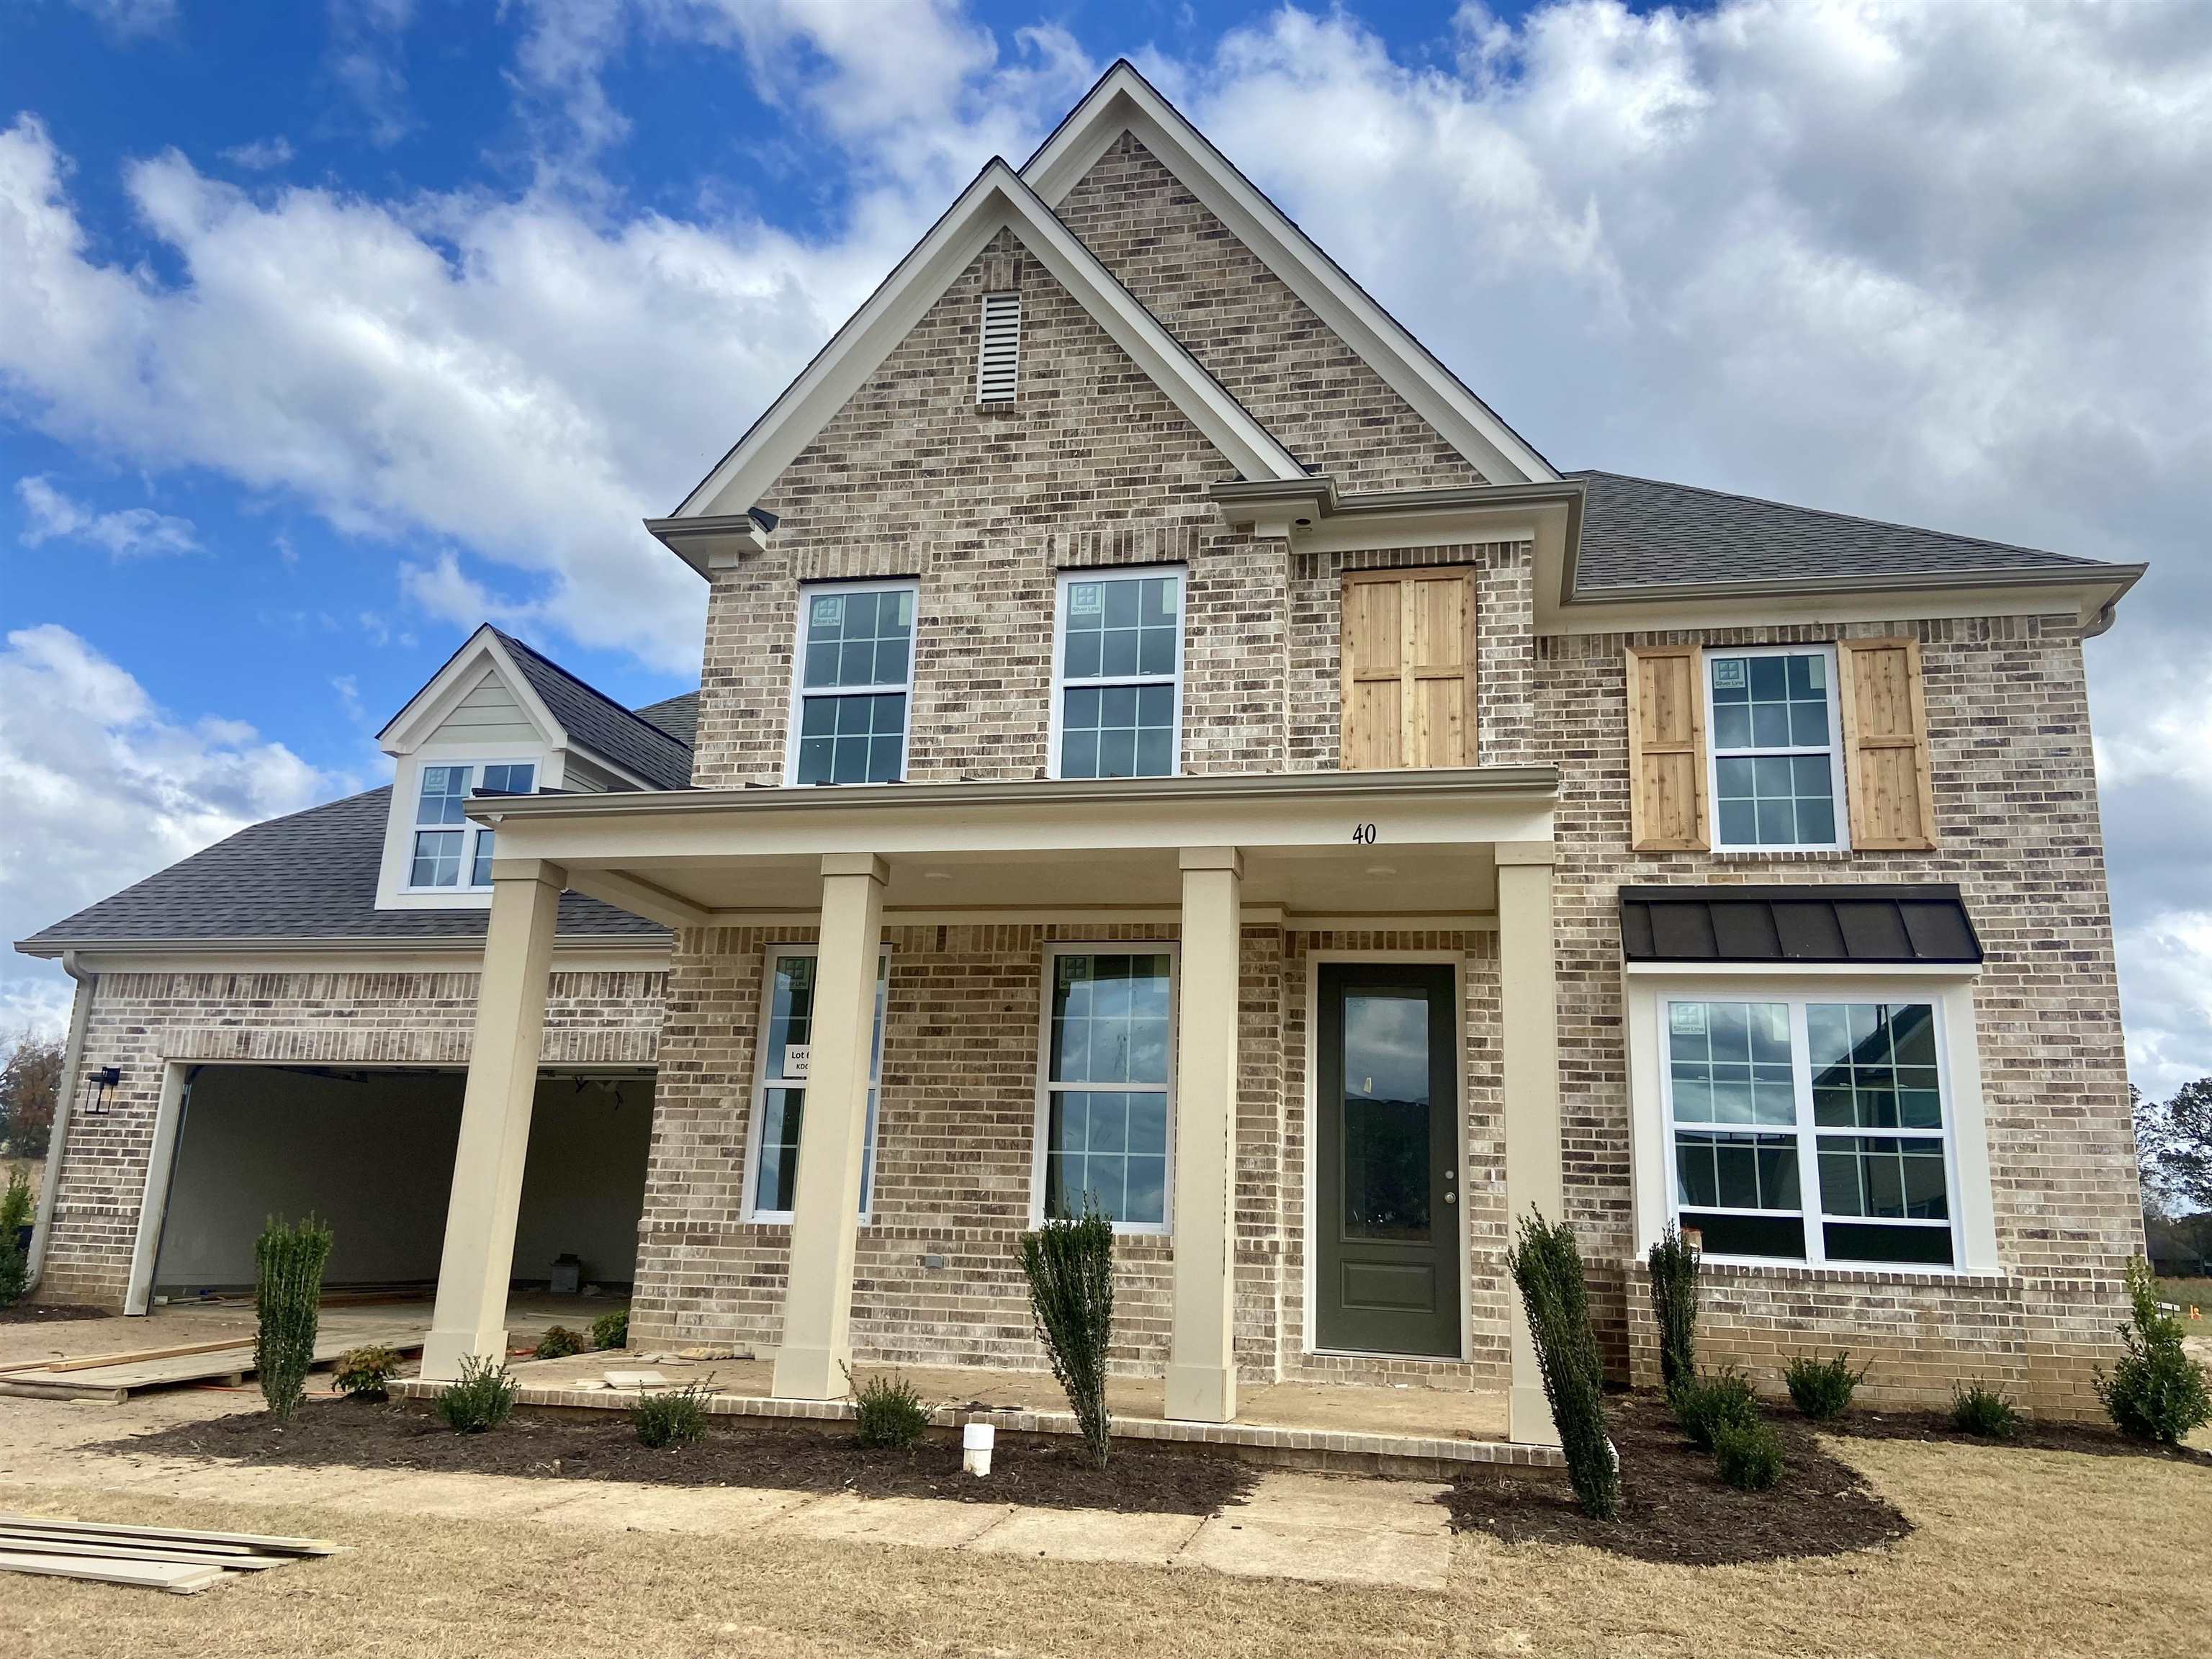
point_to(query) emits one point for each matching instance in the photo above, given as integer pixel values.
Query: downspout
(64, 1098)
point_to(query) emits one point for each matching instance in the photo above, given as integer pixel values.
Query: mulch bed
(1144, 1478)
(47, 1313)
(2094, 1439)
(1675, 1507)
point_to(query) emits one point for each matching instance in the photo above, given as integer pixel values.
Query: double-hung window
(1773, 720)
(1811, 1129)
(1105, 1095)
(852, 683)
(779, 1096)
(1117, 674)
(449, 851)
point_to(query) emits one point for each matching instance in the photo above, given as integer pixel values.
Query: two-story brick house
(1161, 737)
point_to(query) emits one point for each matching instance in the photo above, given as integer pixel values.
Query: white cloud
(104, 788)
(261, 156)
(130, 20)
(49, 515)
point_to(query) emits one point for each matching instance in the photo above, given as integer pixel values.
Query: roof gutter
(2119, 577)
(64, 1099)
(1282, 508)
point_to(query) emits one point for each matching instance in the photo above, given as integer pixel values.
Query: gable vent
(998, 365)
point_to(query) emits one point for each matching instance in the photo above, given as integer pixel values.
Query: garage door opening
(371, 1151)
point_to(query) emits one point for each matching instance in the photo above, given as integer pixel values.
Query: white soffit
(996, 200)
(1125, 101)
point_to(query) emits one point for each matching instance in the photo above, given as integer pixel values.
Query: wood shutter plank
(1409, 669)
(1888, 779)
(1665, 748)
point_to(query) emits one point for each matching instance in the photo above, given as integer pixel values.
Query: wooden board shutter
(1885, 772)
(1665, 748)
(1408, 663)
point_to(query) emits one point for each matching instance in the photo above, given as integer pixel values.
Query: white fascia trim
(997, 200)
(570, 956)
(1125, 100)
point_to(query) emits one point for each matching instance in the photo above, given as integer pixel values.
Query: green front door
(1386, 1212)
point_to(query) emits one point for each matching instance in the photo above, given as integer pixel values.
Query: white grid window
(998, 360)
(1105, 1095)
(446, 845)
(1772, 721)
(780, 1096)
(1810, 1130)
(1117, 674)
(852, 683)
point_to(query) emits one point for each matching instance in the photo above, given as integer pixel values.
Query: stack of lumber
(114, 1376)
(174, 1558)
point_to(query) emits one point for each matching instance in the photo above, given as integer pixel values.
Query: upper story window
(1777, 748)
(1117, 675)
(449, 850)
(854, 679)
(998, 359)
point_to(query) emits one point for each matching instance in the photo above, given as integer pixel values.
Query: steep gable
(1274, 355)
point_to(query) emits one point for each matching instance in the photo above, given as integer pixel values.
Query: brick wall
(140, 1021)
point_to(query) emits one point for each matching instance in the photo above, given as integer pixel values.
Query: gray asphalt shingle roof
(1639, 530)
(630, 738)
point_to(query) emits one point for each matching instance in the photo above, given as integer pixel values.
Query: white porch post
(818, 1297)
(1202, 1381)
(1527, 978)
(470, 1316)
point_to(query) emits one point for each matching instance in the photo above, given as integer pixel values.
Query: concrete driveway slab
(1088, 1535)
(933, 1522)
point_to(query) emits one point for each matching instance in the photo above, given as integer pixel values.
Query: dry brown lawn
(2017, 1553)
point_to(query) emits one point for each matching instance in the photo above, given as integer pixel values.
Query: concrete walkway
(1322, 1529)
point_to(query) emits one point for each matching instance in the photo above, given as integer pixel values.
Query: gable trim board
(1124, 101)
(997, 200)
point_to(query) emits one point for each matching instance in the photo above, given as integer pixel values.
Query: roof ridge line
(569, 674)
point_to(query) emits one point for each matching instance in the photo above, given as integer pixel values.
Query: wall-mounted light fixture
(105, 1078)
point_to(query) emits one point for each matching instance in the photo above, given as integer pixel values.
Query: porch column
(1528, 980)
(1201, 1365)
(471, 1314)
(825, 1211)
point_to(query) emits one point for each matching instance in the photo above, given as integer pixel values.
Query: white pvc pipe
(975, 1448)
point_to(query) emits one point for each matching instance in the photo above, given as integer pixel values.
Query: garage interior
(371, 1151)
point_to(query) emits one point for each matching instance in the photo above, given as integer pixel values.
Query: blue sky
(327, 331)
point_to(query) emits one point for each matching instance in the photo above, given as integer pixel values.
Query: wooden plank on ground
(141, 1356)
(86, 1547)
(234, 1360)
(175, 1578)
(11, 1530)
(267, 1544)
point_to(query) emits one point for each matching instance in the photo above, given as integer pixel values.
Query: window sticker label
(1816, 672)
(1686, 1018)
(829, 610)
(906, 611)
(1084, 599)
(795, 1058)
(1728, 673)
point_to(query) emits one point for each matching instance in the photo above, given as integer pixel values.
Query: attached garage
(371, 1151)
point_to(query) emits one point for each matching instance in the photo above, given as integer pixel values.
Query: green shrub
(1977, 1409)
(1548, 1267)
(1070, 1268)
(1674, 1307)
(363, 1372)
(675, 1419)
(1822, 1389)
(287, 1304)
(888, 1410)
(1705, 1404)
(2156, 1391)
(559, 1342)
(16, 1208)
(15, 1274)
(1748, 1453)
(612, 1329)
(483, 1399)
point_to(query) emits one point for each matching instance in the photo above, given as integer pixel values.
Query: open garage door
(371, 1150)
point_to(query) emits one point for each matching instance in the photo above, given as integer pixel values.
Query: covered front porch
(1236, 875)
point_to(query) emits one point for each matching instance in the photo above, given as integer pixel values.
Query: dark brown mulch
(1143, 1477)
(2094, 1439)
(47, 1313)
(1675, 1507)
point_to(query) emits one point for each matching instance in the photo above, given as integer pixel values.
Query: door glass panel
(1386, 1114)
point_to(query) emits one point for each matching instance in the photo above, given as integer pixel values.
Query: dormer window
(447, 847)
(997, 363)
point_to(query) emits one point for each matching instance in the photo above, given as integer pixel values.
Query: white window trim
(1060, 681)
(1041, 1126)
(411, 808)
(1841, 840)
(763, 1083)
(1949, 990)
(808, 593)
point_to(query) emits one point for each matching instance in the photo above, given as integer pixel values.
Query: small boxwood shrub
(1547, 1267)
(1822, 1389)
(16, 1207)
(1674, 1307)
(559, 1342)
(1979, 1409)
(888, 1410)
(2156, 1391)
(287, 1300)
(483, 1399)
(675, 1419)
(363, 1373)
(1748, 1453)
(1705, 1405)
(612, 1329)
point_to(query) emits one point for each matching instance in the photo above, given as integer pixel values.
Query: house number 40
(1362, 834)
